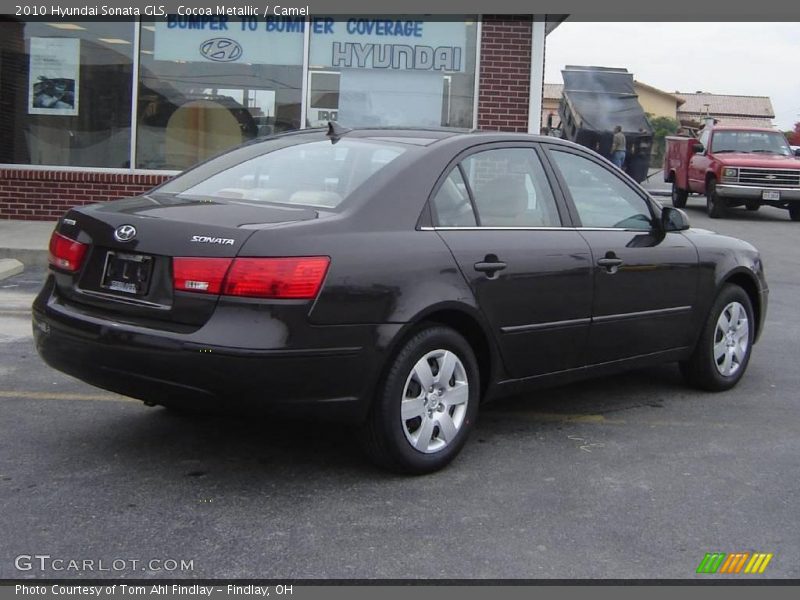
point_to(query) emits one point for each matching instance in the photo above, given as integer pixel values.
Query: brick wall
(505, 73)
(35, 195)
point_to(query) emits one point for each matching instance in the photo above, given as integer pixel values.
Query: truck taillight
(65, 253)
(203, 275)
(290, 278)
(298, 278)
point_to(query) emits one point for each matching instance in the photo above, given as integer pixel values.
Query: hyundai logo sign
(125, 233)
(221, 49)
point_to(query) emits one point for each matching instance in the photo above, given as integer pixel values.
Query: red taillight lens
(65, 253)
(204, 275)
(290, 278)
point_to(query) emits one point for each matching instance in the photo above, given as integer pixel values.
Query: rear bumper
(329, 382)
(749, 192)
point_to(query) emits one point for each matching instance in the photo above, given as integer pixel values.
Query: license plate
(770, 195)
(127, 273)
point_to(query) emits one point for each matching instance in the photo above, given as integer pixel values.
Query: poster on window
(54, 76)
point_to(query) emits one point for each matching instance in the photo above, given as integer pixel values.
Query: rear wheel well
(470, 329)
(751, 289)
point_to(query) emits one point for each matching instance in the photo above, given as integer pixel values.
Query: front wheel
(679, 196)
(723, 351)
(714, 204)
(794, 211)
(752, 205)
(426, 405)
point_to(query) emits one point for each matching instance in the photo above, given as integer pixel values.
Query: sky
(749, 59)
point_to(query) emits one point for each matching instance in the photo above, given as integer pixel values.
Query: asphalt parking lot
(634, 476)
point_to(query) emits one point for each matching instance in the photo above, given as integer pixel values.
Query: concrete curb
(10, 267)
(31, 258)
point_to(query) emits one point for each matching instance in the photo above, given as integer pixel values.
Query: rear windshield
(765, 142)
(318, 174)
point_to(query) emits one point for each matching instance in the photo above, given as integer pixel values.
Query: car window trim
(655, 211)
(470, 194)
(514, 228)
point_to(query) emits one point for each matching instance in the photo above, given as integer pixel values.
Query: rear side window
(510, 189)
(601, 198)
(318, 174)
(452, 204)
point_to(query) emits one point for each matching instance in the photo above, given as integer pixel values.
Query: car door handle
(490, 265)
(610, 262)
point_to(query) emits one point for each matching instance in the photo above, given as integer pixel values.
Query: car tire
(679, 196)
(723, 350)
(752, 205)
(405, 429)
(794, 211)
(714, 204)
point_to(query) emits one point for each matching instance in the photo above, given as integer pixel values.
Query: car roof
(426, 136)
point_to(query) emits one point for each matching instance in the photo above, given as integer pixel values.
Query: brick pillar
(505, 74)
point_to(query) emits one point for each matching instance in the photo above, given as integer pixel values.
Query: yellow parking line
(64, 396)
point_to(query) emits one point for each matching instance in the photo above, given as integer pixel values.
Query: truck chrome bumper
(754, 192)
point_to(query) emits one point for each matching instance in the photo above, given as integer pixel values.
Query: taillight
(204, 275)
(65, 253)
(297, 278)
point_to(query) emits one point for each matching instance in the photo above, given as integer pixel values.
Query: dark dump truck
(597, 99)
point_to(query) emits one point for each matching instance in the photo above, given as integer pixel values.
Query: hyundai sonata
(392, 280)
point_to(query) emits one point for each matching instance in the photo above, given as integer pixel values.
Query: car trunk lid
(127, 272)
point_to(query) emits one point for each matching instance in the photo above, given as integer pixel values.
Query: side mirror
(698, 148)
(674, 219)
(797, 151)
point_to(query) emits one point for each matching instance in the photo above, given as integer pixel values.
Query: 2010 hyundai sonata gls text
(393, 280)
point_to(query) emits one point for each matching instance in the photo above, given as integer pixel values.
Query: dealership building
(94, 110)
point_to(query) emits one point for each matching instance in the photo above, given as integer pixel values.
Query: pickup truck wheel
(752, 205)
(679, 196)
(723, 351)
(426, 405)
(714, 204)
(794, 212)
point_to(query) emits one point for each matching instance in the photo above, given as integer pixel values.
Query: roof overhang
(553, 21)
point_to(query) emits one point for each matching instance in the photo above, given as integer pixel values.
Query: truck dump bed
(597, 99)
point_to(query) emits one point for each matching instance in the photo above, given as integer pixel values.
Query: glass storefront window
(392, 71)
(207, 84)
(66, 93)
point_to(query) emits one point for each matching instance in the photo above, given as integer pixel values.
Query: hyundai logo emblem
(221, 49)
(125, 233)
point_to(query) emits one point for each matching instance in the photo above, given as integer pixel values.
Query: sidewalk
(25, 241)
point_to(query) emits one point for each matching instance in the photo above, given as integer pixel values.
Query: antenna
(336, 131)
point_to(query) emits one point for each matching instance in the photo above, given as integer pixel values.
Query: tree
(662, 127)
(794, 135)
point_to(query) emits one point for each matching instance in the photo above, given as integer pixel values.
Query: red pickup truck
(734, 166)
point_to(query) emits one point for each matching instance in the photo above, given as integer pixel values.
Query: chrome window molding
(430, 228)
